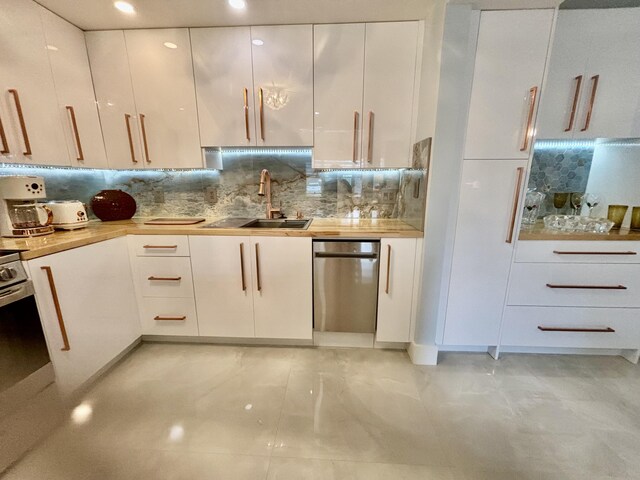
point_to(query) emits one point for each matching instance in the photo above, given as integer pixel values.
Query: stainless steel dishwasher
(345, 285)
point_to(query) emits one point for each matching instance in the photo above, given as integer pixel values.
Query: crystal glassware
(560, 200)
(617, 214)
(591, 201)
(577, 200)
(635, 218)
(532, 203)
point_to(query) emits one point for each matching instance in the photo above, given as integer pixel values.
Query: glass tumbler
(635, 218)
(617, 214)
(532, 203)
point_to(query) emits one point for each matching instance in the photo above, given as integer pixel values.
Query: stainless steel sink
(279, 223)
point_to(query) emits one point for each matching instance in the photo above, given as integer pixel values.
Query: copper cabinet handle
(246, 114)
(162, 318)
(167, 247)
(574, 105)
(560, 252)
(127, 119)
(370, 144)
(386, 288)
(514, 208)
(244, 285)
(261, 97)
(3, 139)
(528, 131)
(592, 99)
(356, 123)
(144, 138)
(76, 134)
(587, 330)
(258, 280)
(588, 287)
(23, 125)
(164, 279)
(56, 304)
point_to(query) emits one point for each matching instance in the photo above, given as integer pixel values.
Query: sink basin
(278, 223)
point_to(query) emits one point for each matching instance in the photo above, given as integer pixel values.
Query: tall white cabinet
(364, 77)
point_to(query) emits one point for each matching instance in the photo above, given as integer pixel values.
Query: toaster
(68, 214)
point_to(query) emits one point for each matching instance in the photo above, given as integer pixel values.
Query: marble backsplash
(233, 191)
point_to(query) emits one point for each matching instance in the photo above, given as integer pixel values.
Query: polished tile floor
(217, 412)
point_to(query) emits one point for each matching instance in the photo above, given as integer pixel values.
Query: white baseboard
(423, 354)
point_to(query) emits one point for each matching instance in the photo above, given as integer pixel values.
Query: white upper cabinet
(30, 128)
(224, 86)
(592, 89)
(164, 91)
(364, 76)
(509, 66)
(283, 84)
(74, 87)
(389, 78)
(337, 92)
(112, 83)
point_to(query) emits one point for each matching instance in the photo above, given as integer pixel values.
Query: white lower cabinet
(95, 292)
(395, 290)
(253, 286)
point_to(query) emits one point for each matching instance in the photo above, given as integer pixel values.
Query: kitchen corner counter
(98, 231)
(539, 232)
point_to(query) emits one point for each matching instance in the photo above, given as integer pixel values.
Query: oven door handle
(15, 293)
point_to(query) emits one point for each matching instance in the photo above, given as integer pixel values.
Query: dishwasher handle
(370, 256)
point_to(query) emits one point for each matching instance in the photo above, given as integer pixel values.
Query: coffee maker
(20, 213)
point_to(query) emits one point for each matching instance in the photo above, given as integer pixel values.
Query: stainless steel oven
(25, 366)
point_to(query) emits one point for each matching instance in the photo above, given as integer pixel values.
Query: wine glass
(577, 201)
(591, 200)
(560, 200)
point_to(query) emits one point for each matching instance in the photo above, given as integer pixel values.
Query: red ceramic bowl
(111, 205)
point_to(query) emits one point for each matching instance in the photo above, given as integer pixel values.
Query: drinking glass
(532, 203)
(617, 214)
(591, 200)
(635, 218)
(577, 200)
(560, 200)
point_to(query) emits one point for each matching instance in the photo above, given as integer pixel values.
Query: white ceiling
(101, 14)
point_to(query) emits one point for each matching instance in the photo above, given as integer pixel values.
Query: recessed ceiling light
(170, 45)
(52, 48)
(124, 7)
(239, 4)
(257, 41)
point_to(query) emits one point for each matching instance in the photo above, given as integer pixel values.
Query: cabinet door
(223, 285)
(481, 256)
(395, 291)
(164, 90)
(74, 87)
(282, 282)
(614, 62)
(510, 60)
(389, 78)
(224, 86)
(95, 292)
(28, 105)
(338, 70)
(112, 83)
(565, 84)
(283, 84)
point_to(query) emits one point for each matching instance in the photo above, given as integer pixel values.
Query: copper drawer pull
(559, 252)
(587, 330)
(164, 279)
(261, 97)
(168, 247)
(574, 105)
(159, 318)
(23, 125)
(244, 285)
(514, 207)
(528, 131)
(76, 134)
(56, 304)
(144, 138)
(246, 114)
(592, 100)
(386, 288)
(258, 280)
(356, 123)
(127, 119)
(588, 287)
(3, 139)
(370, 144)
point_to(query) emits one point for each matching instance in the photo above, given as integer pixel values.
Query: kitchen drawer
(614, 285)
(520, 327)
(168, 316)
(165, 277)
(578, 252)
(160, 245)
